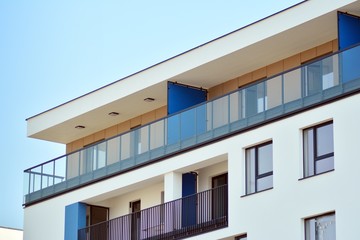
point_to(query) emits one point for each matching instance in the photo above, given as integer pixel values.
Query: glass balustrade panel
(292, 85)
(72, 165)
(59, 170)
(220, 112)
(157, 134)
(274, 92)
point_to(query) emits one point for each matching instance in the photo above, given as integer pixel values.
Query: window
(318, 149)
(242, 237)
(320, 228)
(259, 168)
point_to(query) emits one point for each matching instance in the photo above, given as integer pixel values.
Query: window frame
(241, 237)
(257, 176)
(316, 217)
(315, 157)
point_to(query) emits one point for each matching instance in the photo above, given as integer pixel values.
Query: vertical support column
(75, 218)
(172, 186)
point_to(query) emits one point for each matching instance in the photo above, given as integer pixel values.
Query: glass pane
(26, 183)
(60, 170)
(188, 126)
(325, 227)
(324, 165)
(320, 228)
(209, 118)
(48, 175)
(265, 162)
(72, 165)
(35, 179)
(113, 152)
(125, 146)
(274, 92)
(251, 101)
(173, 129)
(310, 229)
(88, 159)
(143, 139)
(157, 134)
(234, 107)
(220, 111)
(201, 119)
(349, 64)
(325, 143)
(292, 85)
(250, 170)
(101, 155)
(265, 183)
(313, 78)
(328, 79)
(261, 98)
(309, 152)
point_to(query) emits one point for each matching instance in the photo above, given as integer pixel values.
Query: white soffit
(267, 41)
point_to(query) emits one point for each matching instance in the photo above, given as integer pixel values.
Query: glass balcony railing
(314, 83)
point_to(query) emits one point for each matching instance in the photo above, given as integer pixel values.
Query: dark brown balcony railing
(185, 217)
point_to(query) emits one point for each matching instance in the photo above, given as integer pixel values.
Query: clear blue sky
(54, 51)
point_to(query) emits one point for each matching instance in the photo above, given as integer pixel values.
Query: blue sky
(54, 51)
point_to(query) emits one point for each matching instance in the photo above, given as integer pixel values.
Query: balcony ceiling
(208, 65)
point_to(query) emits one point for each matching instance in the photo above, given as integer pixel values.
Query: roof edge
(168, 59)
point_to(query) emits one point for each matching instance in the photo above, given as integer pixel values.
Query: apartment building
(253, 135)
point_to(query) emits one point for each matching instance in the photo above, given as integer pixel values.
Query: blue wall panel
(189, 123)
(75, 218)
(181, 97)
(348, 30)
(349, 34)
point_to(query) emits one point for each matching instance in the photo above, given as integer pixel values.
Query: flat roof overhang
(267, 41)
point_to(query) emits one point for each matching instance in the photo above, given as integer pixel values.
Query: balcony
(185, 217)
(290, 92)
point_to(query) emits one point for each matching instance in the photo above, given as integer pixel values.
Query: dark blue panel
(348, 30)
(181, 97)
(75, 218)
(189, 199)
(188, 123)
(188, 184)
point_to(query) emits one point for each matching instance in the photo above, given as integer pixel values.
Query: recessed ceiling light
(113, 114)
(149, 99)
(79, 127)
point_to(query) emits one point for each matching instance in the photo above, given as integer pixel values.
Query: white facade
(10, 234)
(279, 212)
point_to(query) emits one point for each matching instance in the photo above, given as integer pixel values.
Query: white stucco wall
(10, 234)
(274, 214)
